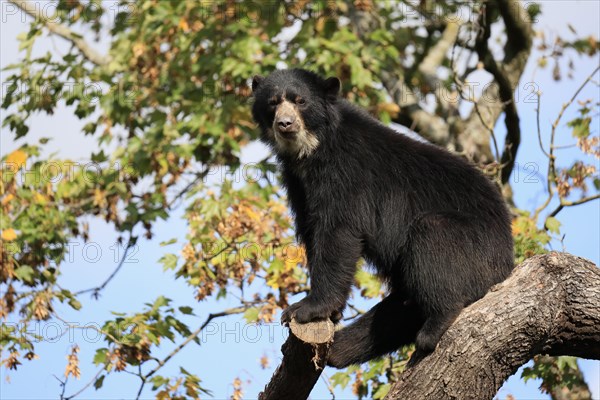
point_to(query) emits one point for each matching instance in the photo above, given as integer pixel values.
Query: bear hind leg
(433, 329)
(389, 325)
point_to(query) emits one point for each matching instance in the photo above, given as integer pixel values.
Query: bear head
(294, 109)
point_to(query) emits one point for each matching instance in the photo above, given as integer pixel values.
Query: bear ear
(256, 81)
(332, 86)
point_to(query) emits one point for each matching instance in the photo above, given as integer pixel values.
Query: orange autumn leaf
(515, 228)
(17, 157)
(7, 199)
(9, 235)
(183, 25)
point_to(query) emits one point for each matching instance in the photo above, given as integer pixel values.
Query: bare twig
(551, 156)
(192, 336)
(564, 204)
(130, 243)
(63, 385)
(33, 10)
(519, 42)
(199, 176)
(87, 385)
(476, 109)
(71, 325)
(537, 117)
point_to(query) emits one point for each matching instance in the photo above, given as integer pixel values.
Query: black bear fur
(435, 229)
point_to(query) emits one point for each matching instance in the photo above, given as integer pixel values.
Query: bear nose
(284, 123)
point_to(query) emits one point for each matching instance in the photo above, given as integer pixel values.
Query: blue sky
(229, 348)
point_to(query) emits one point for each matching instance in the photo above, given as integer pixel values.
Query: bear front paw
(307, 310)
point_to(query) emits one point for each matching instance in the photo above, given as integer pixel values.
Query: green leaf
(168, 242)
(169, 261)
(564, 361)
(251, 314)
(158, 381)
(25, 273)
(340, 379)
(186, 310)
(369, 284)
(98, 383)
(161, 301)
(75, 304)
(553, 225)
(100, 356)
(381, 391)
(581, 127)
(89, 128)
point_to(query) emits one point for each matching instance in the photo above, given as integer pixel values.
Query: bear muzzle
(287, 121)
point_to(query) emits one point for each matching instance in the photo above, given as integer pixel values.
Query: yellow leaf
(9, 235)
(391, 108)
(39, 198)
(17, 157)
(272, 282)
(7, 198)
(516, 229)
(250, 213)
(99, 198)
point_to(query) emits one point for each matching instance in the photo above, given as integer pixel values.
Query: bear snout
(287, 123)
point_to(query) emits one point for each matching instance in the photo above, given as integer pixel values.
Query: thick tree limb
(549, 305)
(33, 10)
(304, 356)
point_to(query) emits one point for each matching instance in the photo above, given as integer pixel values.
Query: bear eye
(300, 100)
(272, 102)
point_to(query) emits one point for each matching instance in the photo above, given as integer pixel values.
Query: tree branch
(498, 97)
(304, 356)
(436, 55)
(88, 52)
(431, 127)
(549, 305)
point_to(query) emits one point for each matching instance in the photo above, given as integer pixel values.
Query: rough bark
(549, 305)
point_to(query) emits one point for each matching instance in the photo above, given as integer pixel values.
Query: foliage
(554, 372)
(374, 379)
(168, 105)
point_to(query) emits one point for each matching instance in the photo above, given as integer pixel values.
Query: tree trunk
(549, 305)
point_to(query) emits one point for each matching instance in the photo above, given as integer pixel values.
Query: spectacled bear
(436, 230)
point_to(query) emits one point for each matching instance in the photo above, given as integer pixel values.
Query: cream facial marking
(290, 132)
